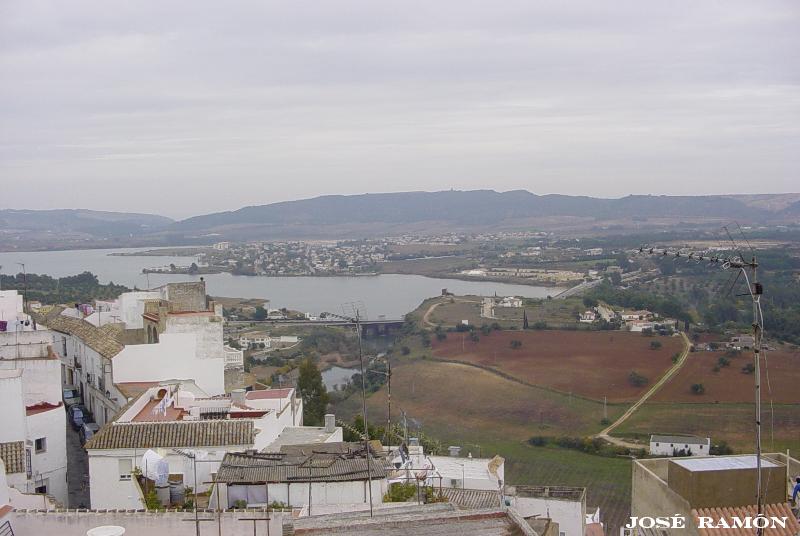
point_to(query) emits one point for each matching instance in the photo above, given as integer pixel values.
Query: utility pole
(24, 286)
(749, 271)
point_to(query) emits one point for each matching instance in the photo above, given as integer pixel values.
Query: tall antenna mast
(749, 270)
(356, 319)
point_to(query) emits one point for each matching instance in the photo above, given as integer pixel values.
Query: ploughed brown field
(730, 384)
(592, 364)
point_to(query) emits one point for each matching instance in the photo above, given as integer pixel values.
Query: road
(426, 317)
(77, 471)
(606, 434)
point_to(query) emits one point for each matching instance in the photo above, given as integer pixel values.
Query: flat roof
(268, 393)
(723, 463)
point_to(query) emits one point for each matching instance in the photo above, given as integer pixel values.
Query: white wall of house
(110, 486)
(49, 466)
(174, 356)
(11, 305)
(131, 307)
(660, 448)
(207, 329)
(570, 515)
(296, 494)
(12, 416)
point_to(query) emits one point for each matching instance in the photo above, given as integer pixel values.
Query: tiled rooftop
(328, 462)
(770, 510)
(472, 498)
(99, 340)
(215, 433)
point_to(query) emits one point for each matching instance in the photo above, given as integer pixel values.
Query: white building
(564, 505)
(32, 422)
(588, 317)
(667, 445)
(319, 475)
(468, 473)
(170, 332)
(176, 420)
(12, 315)
(510, 301)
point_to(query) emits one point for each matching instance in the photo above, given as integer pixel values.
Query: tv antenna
(356, 321)
(748, 269)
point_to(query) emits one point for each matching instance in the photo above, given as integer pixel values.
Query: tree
(516, 344)
(588, 301)
(698, 388)
(749, 368)
(636, 379)
(655, 345)
(313, 392)
(616, 278)
(260, 313)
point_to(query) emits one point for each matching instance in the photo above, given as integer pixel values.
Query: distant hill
(91, 222)
(77, 228)
(371, 214)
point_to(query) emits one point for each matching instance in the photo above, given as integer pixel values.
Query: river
(391, 295)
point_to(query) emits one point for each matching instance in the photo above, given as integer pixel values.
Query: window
(656, 444)
(125, 469)
(42, 488)
(41, 445)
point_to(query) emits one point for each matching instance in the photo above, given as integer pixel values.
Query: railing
(6, 530)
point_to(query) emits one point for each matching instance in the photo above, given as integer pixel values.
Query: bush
(655, 345)
(516, 344)
(749, 368)
(637, 380)
(405, 350)
(721, 449)
(538, 441)
(698, 388)
(676, 356)
(723, 362)
(440, 336)
(400, 492)
(474, 337)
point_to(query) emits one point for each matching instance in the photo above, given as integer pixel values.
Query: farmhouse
(643, 314)
(588, 317)
(667, 445)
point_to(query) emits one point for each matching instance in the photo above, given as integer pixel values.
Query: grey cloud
(234, 103)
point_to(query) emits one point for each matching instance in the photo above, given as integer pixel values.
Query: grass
(729, 422)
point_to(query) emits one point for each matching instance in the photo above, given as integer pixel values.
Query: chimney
(238, 396)
(454, 451)
(330, 423)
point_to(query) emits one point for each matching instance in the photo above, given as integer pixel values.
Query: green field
(729, 422)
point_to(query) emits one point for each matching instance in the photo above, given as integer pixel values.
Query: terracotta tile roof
(471, 498)
(95, 338)
(13, 456)
(770, 510)
(327, 462)
(41, 408)
(143, 435)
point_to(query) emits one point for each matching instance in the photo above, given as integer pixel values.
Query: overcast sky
(182, 107)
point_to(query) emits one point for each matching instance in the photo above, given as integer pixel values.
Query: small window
(125, 469)
(41, 489)
(41, 445)
(657, 444)
(701, 447)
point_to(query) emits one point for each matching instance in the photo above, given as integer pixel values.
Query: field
(591, 364)
(730, 384)
(729, 422)
(487, 415)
